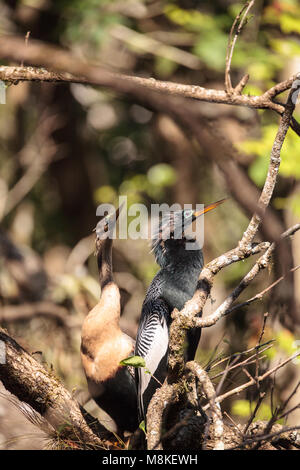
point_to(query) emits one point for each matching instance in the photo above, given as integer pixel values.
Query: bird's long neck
(104, 260)
(102, 322)
(110, 294)
(179, 274)
(180, 284)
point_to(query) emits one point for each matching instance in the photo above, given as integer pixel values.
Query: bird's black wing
(152, 344)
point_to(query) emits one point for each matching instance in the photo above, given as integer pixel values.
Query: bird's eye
(188, 213)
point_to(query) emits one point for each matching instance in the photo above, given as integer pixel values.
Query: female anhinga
(171, 288)
(104, 345)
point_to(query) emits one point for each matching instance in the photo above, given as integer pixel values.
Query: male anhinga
(171, 288)
(104, 345)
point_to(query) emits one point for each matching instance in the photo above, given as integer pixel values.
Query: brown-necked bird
(104, 345)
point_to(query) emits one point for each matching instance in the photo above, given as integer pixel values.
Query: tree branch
(236, 28)
(59, 60)
(253, 381)
(215, 410)
(260, 295)
(224, 308)
(187, 317)
(27, 379)
(163, 396)
(274, 164)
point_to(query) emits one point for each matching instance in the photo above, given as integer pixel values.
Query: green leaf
(142, 426)
(134, 361)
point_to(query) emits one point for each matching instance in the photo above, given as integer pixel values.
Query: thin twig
(280, 409)
(260, 295)
(257, 349)
(249, 360)
(26, 42)
(253, 414)
(234, 424)
(251, 382)
(236, 28)
(265, 437)
(239, 354)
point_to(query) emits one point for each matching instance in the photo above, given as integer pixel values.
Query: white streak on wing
(156, 352)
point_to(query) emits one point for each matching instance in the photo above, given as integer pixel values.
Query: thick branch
(270, 182)
(224, 308)
(215, 410)
(187, 317)
(27, 379)
(41, 54)
(163, 396)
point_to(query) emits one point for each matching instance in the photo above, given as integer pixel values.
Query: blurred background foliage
(64, 149)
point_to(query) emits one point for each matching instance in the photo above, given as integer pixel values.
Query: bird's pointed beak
(119, 210)
(208, 208)
(113, 217)
(104, 231)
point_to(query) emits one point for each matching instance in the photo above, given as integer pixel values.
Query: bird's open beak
(208, 208)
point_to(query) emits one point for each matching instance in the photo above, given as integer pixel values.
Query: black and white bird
(172, 287)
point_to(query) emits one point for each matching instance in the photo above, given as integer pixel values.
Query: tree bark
(31, 383)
